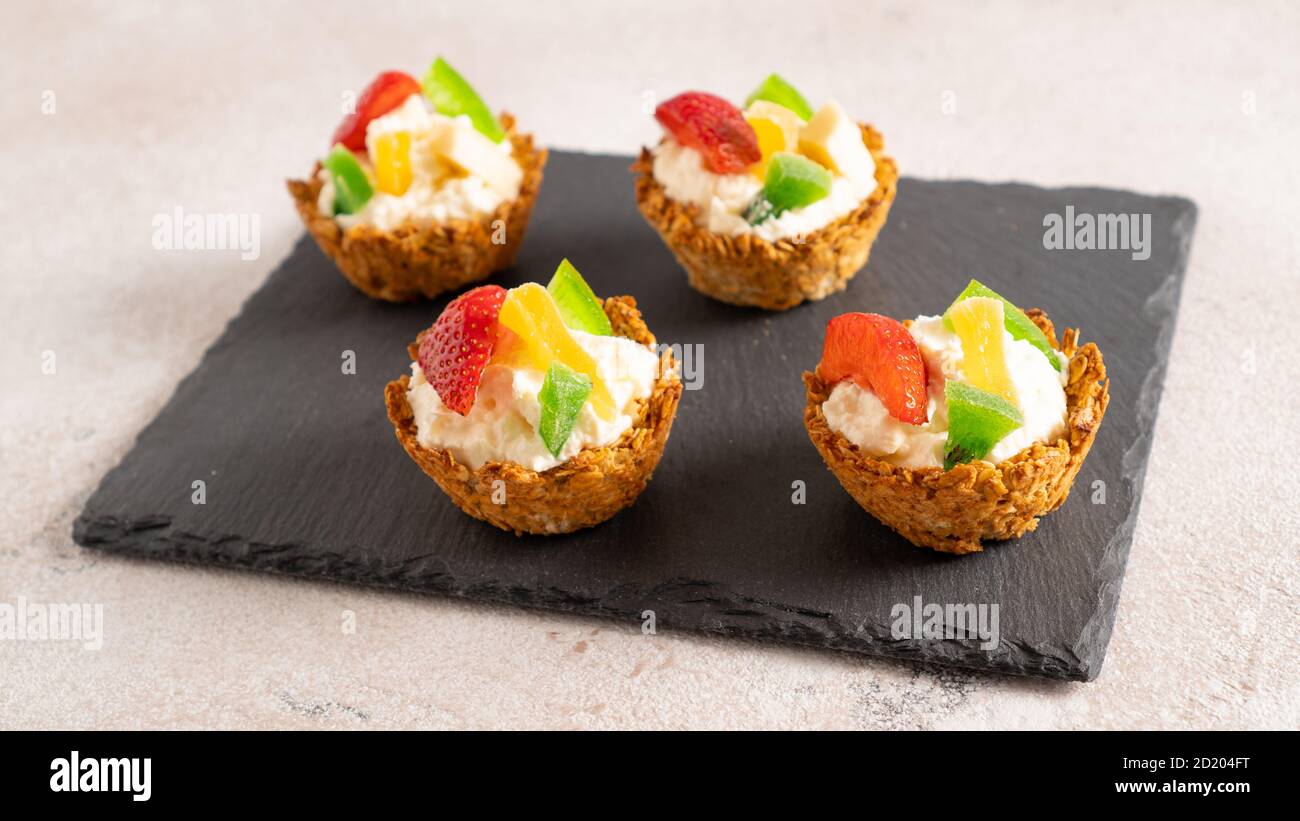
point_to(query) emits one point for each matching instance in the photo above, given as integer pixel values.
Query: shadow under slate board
(304, 476)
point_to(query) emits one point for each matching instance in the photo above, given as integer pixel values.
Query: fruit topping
(582, 310)
(776, 90)
(834, 140)
(393, 162)
(454, 352)
(385, 92)
(879, 355)
(1018, 324)
(477, 155)
(563, 393)
(978, 322)
(777, 129)
(792, 182)
(532, 315)
(352, 188)
(713, 127)
(977, 421)
(452, 96)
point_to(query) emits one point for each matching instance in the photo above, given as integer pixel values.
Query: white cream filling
(859, 416)
(439, 192)
(502, 424)
(723, 198)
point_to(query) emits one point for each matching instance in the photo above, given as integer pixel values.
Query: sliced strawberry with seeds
(879, 355)
(385, 92)
(454, 352)
(713, 127)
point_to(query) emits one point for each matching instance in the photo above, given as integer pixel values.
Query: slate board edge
(154, 539)
(1162, 308)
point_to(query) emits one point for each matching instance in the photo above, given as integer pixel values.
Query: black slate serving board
(304, 476)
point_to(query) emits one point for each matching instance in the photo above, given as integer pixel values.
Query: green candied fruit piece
(563, 393)
(352, 189)
(1017, 323)
(452, 96)
(977, 420)
(579, 307)
(776, 90)
(793, 181)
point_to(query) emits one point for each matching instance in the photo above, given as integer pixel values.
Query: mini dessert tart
(424, 189)
(538, 409)
(768, 207)
(955, 428)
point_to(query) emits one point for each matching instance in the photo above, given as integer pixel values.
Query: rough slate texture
(304, 476)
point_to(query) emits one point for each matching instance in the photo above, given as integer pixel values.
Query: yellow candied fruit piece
(777, 129)
(978, 322)
(393, 162)
(770, 141)
(542, 337)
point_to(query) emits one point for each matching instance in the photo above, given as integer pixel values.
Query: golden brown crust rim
(748, 270)
(419, 262)
(951, 511)
(584, 491)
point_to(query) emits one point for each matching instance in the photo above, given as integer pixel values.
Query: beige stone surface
(210, 107)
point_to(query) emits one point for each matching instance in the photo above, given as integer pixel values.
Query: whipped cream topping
(439, 191)
(723, 198)
(502, 424)
(859, 416)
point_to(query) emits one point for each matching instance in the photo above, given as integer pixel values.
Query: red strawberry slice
(385, 92)
(878, 354)
(713, 127)
(454, 352)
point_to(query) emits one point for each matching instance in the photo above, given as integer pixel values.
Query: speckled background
(158, 106)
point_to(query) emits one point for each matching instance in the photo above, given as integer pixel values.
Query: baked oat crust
(419, 262)
(748, 270)
(952, 511)
(584, 491)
